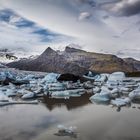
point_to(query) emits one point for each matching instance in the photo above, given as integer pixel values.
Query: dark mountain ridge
(75, 61)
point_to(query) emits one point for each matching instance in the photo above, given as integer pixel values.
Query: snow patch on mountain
(9, 55)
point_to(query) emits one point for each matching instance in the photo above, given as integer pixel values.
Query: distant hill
(76, 61)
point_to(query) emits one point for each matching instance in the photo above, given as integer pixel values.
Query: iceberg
(88, 85)
(102, 78)
(29, 77)
(17, 102)
(119, 102)
(50, 78)
(135, 94)
(2, 76)
(28, 95)
(116, 76)
(96, 89)
(67, 93)
(3, 98)
(56, 86)
(100, 98)
(115, 79)
(11, 92)
(60, 94)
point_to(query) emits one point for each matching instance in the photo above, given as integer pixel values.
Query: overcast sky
(111, 26)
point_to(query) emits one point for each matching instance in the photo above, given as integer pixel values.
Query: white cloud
(62, 16)
(84, 15)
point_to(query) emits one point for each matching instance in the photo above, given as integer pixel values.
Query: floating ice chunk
(11, 92)
(45, 87)
(116, 76)
(28, 95)
(56, 87)
(33, 82)
(115, 79)
(76, 91)
(103, 96)
(29, 77)
(121, 102)
(2, 76)
(101, 78)
(39, 90)
(3, 98)
(17, 102)
(10, 75)
(90, 74)
(90, 78)
(135, 94)
(96, 89)
(114, 91)
(60, 94)
(7, 74)
(98, 98)
(67, 93)
(50, 78)
(88, 85)
(21, 91)
(125, 90)
(12, 86)
(70, 85)
(105, 90)
(56, 84)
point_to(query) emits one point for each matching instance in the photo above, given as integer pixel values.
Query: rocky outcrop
(74, 61)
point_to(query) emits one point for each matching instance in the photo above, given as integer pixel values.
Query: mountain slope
(74, 61)
(49, 61)
(133, 62)
(98, 62)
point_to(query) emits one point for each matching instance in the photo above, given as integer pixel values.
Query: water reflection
(99, 122)
(77, 102)
(71, 103)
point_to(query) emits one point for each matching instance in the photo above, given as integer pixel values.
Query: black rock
(68, 77)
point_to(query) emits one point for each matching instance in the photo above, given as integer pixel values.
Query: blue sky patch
(7, 16)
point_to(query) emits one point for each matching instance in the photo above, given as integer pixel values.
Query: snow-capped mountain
(75, 61)
(9, 55)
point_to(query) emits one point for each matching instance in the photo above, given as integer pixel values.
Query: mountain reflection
(71, 103)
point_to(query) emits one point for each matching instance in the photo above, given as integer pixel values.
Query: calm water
(93, 122)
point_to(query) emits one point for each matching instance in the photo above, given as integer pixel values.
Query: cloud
(84, 15)
(92, 3)
(103, 24)
(124, 7)
(18, 32)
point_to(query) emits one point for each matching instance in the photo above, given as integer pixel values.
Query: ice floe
(114, 88)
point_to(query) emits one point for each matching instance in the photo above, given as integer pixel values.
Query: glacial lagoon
(40, 108)
(93, 121)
